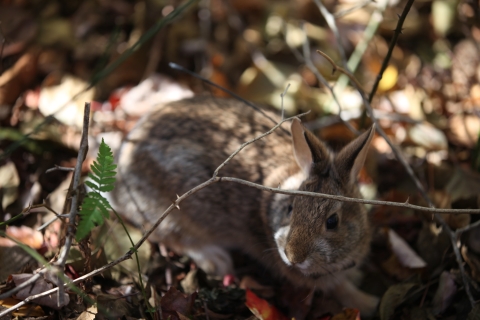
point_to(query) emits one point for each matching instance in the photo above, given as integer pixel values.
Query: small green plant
(95, 207)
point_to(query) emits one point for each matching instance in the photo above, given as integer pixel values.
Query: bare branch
(59, 168)
(396, 34)
(82, 153)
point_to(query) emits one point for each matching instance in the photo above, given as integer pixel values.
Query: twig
(233, 94)
(342, 70)
(396, 34)
(215, 173)
(330, 19)
(282, 95)
(306, 58)
(355, 58)
(59, 168)
(82, 152)
(467, 228)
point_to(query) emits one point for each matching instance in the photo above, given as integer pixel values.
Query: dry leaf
(88, 314)
(41, 285)
(16, 79)
(473, 262)
(261, 308)
(155, 90)
(28, 310)
(445, 292)
(174, 303)
(25, 235)
(58, 100)
(406, 256)
(393, 298)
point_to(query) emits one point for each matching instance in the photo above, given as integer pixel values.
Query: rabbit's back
(179, 146)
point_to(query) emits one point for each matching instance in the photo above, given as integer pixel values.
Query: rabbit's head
(320, 236)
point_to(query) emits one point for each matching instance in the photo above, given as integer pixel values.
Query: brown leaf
(406, 256)
(175, 301)
(473, 262)
(41, 285)
(445, 292)
(393, 298)
(26, 235)
(28, 310)
(18, 78)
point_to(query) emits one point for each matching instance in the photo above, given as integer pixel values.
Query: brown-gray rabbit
(312, 242)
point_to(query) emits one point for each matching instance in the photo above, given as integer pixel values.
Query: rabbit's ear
(308, 150)
(351, 158)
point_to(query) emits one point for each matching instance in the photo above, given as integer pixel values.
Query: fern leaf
(95, 207)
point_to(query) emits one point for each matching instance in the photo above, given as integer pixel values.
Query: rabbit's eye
(332, 221)
(289, 211)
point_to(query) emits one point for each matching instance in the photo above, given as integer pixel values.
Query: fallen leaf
(25, 235)
(18, 78)
(174, 303)
(66, 100)
(88, 314)
(407, 257)
(9, 180)
(426, 135)
(445, 292)
(41, 285)
(392, 298)
(155, 90)
(28, 310)
(463, 185)
(432, 243)
(464, 129)
(261, 308)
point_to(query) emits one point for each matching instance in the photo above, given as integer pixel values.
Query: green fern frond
(95, 207)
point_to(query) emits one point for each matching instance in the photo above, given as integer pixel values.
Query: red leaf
(261, 308)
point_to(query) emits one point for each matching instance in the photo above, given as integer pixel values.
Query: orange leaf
(261, 308)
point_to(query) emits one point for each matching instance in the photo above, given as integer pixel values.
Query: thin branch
(215, 174)
(82, 153)
(59, 168)
(306, 58)
(348, 199)
(330, 19)
(396, 34)
(342, 70)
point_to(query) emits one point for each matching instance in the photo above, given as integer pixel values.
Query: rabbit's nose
(295, 255)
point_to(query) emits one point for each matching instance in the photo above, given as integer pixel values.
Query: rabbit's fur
(179, 146)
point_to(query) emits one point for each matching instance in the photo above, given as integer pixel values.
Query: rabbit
(312, 242)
